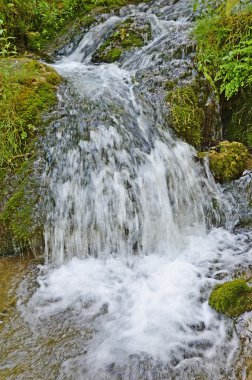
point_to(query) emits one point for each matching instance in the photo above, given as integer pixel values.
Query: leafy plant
(236, 70)
(23, 19)
(224, 52)
(7, 47)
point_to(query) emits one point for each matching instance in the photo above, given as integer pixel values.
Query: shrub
(42, 19)
(224, 51)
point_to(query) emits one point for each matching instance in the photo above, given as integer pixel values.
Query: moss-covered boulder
(227, 160)
(194, 112)
(127, 35)
(232, 298)
(28, 91)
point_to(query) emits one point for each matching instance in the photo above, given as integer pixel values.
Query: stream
(137, 231)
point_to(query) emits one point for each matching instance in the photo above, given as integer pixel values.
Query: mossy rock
(111, 55)
(19, 206)
(227, 160)
(28, 91)
(193, 112)
(127, 35)
(232, 298)
(236, 116)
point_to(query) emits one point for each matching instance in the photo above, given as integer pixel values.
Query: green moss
(171, 84)
(186, 116)
(111, 55)
(227, 160)
(237, 117)
(194, 111)
(18, 209)
(232, 298)
(126, 36)
(19, 225)
(28, 90)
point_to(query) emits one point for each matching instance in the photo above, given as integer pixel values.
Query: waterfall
(120, 183)
(137, 232)
(125, 186)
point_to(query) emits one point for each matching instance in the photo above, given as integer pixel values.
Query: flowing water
(137, 232)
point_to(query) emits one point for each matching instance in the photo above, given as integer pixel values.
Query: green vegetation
(227, 160)
(35, 22)
(127, 35)
(232, 298)
(193, 112)
(28, 90)
(186, 117)
(7, 46)
(224, 50)
(237, 117)
(224, 56)
(109, 56)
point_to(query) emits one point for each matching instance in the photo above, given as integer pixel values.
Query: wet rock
(127, 35)
(241, 190)
(68, 38)
(220, 275)
(243, 362)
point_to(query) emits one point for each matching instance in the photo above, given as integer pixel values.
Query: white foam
(155, 304)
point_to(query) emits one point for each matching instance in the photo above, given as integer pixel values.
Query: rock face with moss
(232, 298)
(127, 35)
(227, 160)
(237, 117)
(194, 112)
(28, 90)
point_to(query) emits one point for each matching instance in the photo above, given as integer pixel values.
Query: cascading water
(125, 188)
(120, 183)
(131, 246)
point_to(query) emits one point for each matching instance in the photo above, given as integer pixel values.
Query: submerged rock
(232, 298)
(227, 160)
